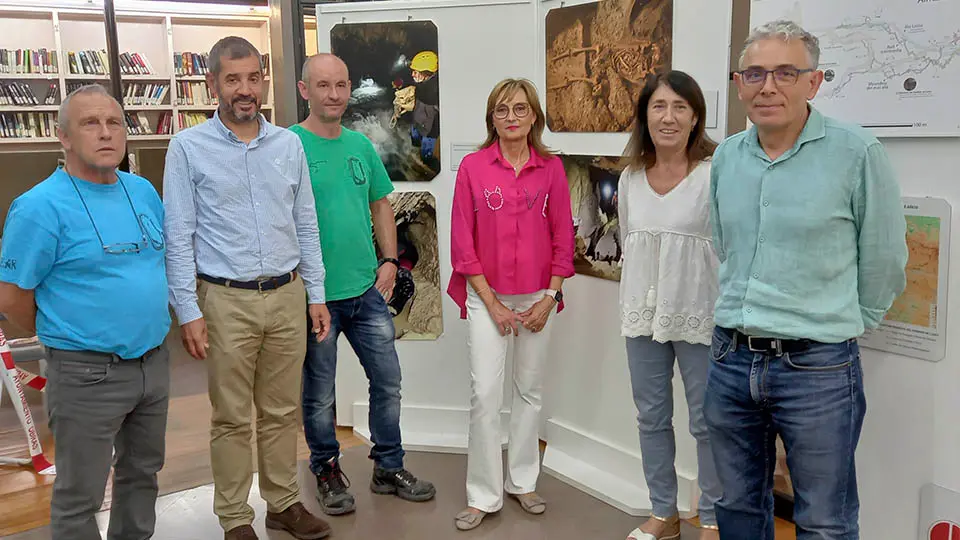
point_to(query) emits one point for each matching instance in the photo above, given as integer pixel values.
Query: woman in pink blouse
(512, 247)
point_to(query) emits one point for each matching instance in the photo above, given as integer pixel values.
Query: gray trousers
(98, 403)
(651, 374)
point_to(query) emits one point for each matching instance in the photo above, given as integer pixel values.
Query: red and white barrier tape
(14, 379)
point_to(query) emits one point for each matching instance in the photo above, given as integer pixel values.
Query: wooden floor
(25, 496)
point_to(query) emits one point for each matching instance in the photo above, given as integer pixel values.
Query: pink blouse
(516, 231)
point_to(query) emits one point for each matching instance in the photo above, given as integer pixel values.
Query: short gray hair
(90, 89)
(234, 48)
(785, 30)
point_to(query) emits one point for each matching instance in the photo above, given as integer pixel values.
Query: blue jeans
(814, 400)
(651, 376)
(369, 329)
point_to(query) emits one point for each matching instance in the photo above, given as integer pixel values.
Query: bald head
(327, 64)
(325, 83)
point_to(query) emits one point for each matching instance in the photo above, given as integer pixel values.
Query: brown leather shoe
(297, 521)
(243, 532)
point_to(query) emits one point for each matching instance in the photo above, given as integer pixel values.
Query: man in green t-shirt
(350, 185)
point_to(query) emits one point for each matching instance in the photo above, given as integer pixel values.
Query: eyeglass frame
(768, 72)
(514, 109)
(120, 248)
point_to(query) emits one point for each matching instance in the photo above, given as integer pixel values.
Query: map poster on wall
(916, 324)
(892, 66)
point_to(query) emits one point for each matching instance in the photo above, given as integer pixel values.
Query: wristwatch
(556, 295)
(389, 260)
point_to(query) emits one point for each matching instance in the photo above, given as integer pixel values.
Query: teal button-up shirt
(812, 244)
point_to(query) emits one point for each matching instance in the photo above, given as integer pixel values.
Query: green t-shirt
(347, 175)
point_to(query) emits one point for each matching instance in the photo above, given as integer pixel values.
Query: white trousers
(488, 354)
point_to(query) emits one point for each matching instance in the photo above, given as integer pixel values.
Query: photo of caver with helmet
(394, 93)
(426, 110)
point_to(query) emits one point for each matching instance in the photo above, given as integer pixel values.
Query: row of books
(188, 120)
(191, 63)
(95, 62)
(138, 124)
(145, 93)
(27, 125)
(194, 93)
(28, 61)
(20, 94)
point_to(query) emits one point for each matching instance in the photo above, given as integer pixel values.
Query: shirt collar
(813, 129)
(494, 155)
(231, 136)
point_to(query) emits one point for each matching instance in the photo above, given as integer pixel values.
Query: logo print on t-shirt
(494, 198)
(356, 171)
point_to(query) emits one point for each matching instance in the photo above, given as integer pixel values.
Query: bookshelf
(54, 38)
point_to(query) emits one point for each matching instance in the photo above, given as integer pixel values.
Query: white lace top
(668, 284)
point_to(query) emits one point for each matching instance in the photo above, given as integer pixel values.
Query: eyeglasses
(783, 75)
(122, 247)
(519, 110)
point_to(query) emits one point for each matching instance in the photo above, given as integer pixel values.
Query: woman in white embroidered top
(668, 288)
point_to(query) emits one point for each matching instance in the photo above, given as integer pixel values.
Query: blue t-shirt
(88, 299)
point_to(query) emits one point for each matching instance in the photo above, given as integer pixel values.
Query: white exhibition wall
(588, 407)
(910, 436)
(480, 43)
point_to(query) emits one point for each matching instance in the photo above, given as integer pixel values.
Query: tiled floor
(570, 515)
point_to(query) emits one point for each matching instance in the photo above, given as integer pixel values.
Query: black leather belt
(768, 345)
(257, 285)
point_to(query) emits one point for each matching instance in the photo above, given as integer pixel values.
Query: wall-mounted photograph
(598, 55)
(416, 303)
(593, 196)
(395, 94)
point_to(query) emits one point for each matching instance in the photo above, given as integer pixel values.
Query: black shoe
(332, 487)
(402, 483)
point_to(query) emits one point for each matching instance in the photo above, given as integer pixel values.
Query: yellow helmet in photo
(425, 61)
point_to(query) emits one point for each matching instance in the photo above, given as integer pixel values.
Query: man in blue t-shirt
(82, 265)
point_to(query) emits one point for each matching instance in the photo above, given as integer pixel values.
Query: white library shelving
(54, 38)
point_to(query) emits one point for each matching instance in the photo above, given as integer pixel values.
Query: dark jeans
(814, 400)
(369, 329)
(98, 404)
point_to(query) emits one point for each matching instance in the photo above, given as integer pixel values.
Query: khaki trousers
(255, 360)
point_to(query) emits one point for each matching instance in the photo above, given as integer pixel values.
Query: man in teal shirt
(809, 228)
(350, 186)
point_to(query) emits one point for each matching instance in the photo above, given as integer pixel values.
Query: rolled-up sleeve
(560, 214)
(463, 220)
(180, 226)
(308, 235)
(881, 244)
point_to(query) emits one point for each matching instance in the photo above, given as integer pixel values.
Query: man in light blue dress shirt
(240, 216)
(809, 228)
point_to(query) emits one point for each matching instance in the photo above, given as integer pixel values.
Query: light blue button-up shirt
(238, 211)
(813, 244)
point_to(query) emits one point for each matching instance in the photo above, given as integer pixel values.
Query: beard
(233, 111)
